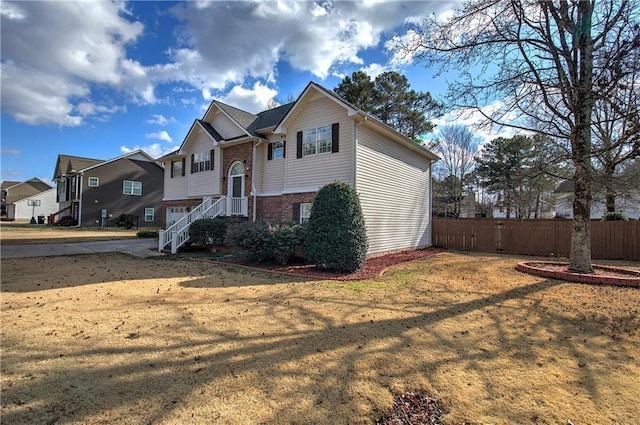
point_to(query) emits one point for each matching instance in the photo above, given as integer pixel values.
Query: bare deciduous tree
(457, 147)
(548, 63)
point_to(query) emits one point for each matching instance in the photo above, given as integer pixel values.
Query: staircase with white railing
(178, 233)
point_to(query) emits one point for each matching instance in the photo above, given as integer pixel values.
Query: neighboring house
(268, 168)
(628, 204)
(24, 200)
(126, 190)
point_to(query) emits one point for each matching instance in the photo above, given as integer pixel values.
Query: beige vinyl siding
(393, 184)
(204, 183)
(273, 171)
(225, 126)
(312, 172)
(174, 188)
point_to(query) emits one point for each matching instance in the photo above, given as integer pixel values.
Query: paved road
(137, 247)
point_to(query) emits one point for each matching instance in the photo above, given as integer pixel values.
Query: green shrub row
(335, 237)
(268, 241)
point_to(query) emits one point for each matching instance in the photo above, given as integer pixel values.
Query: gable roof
(7, 184)
(17, 191)
(67, 163)
(353, 111)
(75, 164)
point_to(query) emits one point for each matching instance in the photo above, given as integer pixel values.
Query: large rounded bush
(336, 236)
(207, 232)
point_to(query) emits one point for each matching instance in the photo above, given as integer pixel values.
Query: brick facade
(242, 153)
(280, 209)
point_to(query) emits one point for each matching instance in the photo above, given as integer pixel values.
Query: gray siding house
(124, 191)
(269, 166)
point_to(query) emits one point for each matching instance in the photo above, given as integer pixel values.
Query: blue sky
(100, 79)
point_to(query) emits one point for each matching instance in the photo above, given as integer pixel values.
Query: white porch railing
(237, 206)
(178, 233)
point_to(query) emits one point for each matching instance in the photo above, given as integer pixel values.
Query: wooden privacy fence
(610, 240)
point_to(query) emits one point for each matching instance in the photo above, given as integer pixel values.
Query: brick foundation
(279, 209)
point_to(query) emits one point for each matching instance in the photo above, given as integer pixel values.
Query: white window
(177, 168)
(131, 188)
(278, 150)
(305, 212)
(316, 141)
(201, 162)
(149, 214)
(94, 182)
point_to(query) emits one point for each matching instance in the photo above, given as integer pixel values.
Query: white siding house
(22, 210)
(269, 166)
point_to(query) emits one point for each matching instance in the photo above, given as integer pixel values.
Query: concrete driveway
(137, 247)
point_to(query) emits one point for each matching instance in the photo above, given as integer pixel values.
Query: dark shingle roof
(270, 117)
(68, 163)
(7, 183)
(212, 131)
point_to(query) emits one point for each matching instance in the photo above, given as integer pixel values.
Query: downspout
(253, 178)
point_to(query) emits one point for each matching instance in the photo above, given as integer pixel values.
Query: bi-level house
(126, 190)
(268, 168)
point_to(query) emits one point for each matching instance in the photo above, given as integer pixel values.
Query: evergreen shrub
(268, 241)
(614, 216)
(207, 232)
(336, 236)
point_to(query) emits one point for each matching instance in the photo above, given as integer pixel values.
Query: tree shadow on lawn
(21, 275)
(318, 370)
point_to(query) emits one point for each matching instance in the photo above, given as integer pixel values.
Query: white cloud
(55, 51)
(161, 120)
(160, 135)
(155, 150)
(9, 151)
(251, 100)
(57, 54)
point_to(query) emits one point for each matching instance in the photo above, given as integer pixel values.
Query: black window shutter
(184, 164)
(299, 145)
(172, 168)
(192, 157)
(212, 156)
(296, 212)
(270, 152)
(284, 148)
(335, 132)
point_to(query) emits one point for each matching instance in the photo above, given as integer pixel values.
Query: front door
(235, 190)
(236, 181)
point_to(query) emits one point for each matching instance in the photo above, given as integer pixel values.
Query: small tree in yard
(336, 235)
(207, 232)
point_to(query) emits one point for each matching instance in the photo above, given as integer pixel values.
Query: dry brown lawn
(114, 339)
(23, 233)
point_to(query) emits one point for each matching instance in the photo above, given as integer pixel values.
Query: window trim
(173, 170)
(304, 218)
(202, 165)
(133, 191)
(332, 147)
(272, 150)
(153, 214)
(93, 179)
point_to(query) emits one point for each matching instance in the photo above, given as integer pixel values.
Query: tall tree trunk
(582, 102)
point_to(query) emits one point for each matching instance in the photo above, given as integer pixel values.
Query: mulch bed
(602, 275)
(373, 267)
(414, 408)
